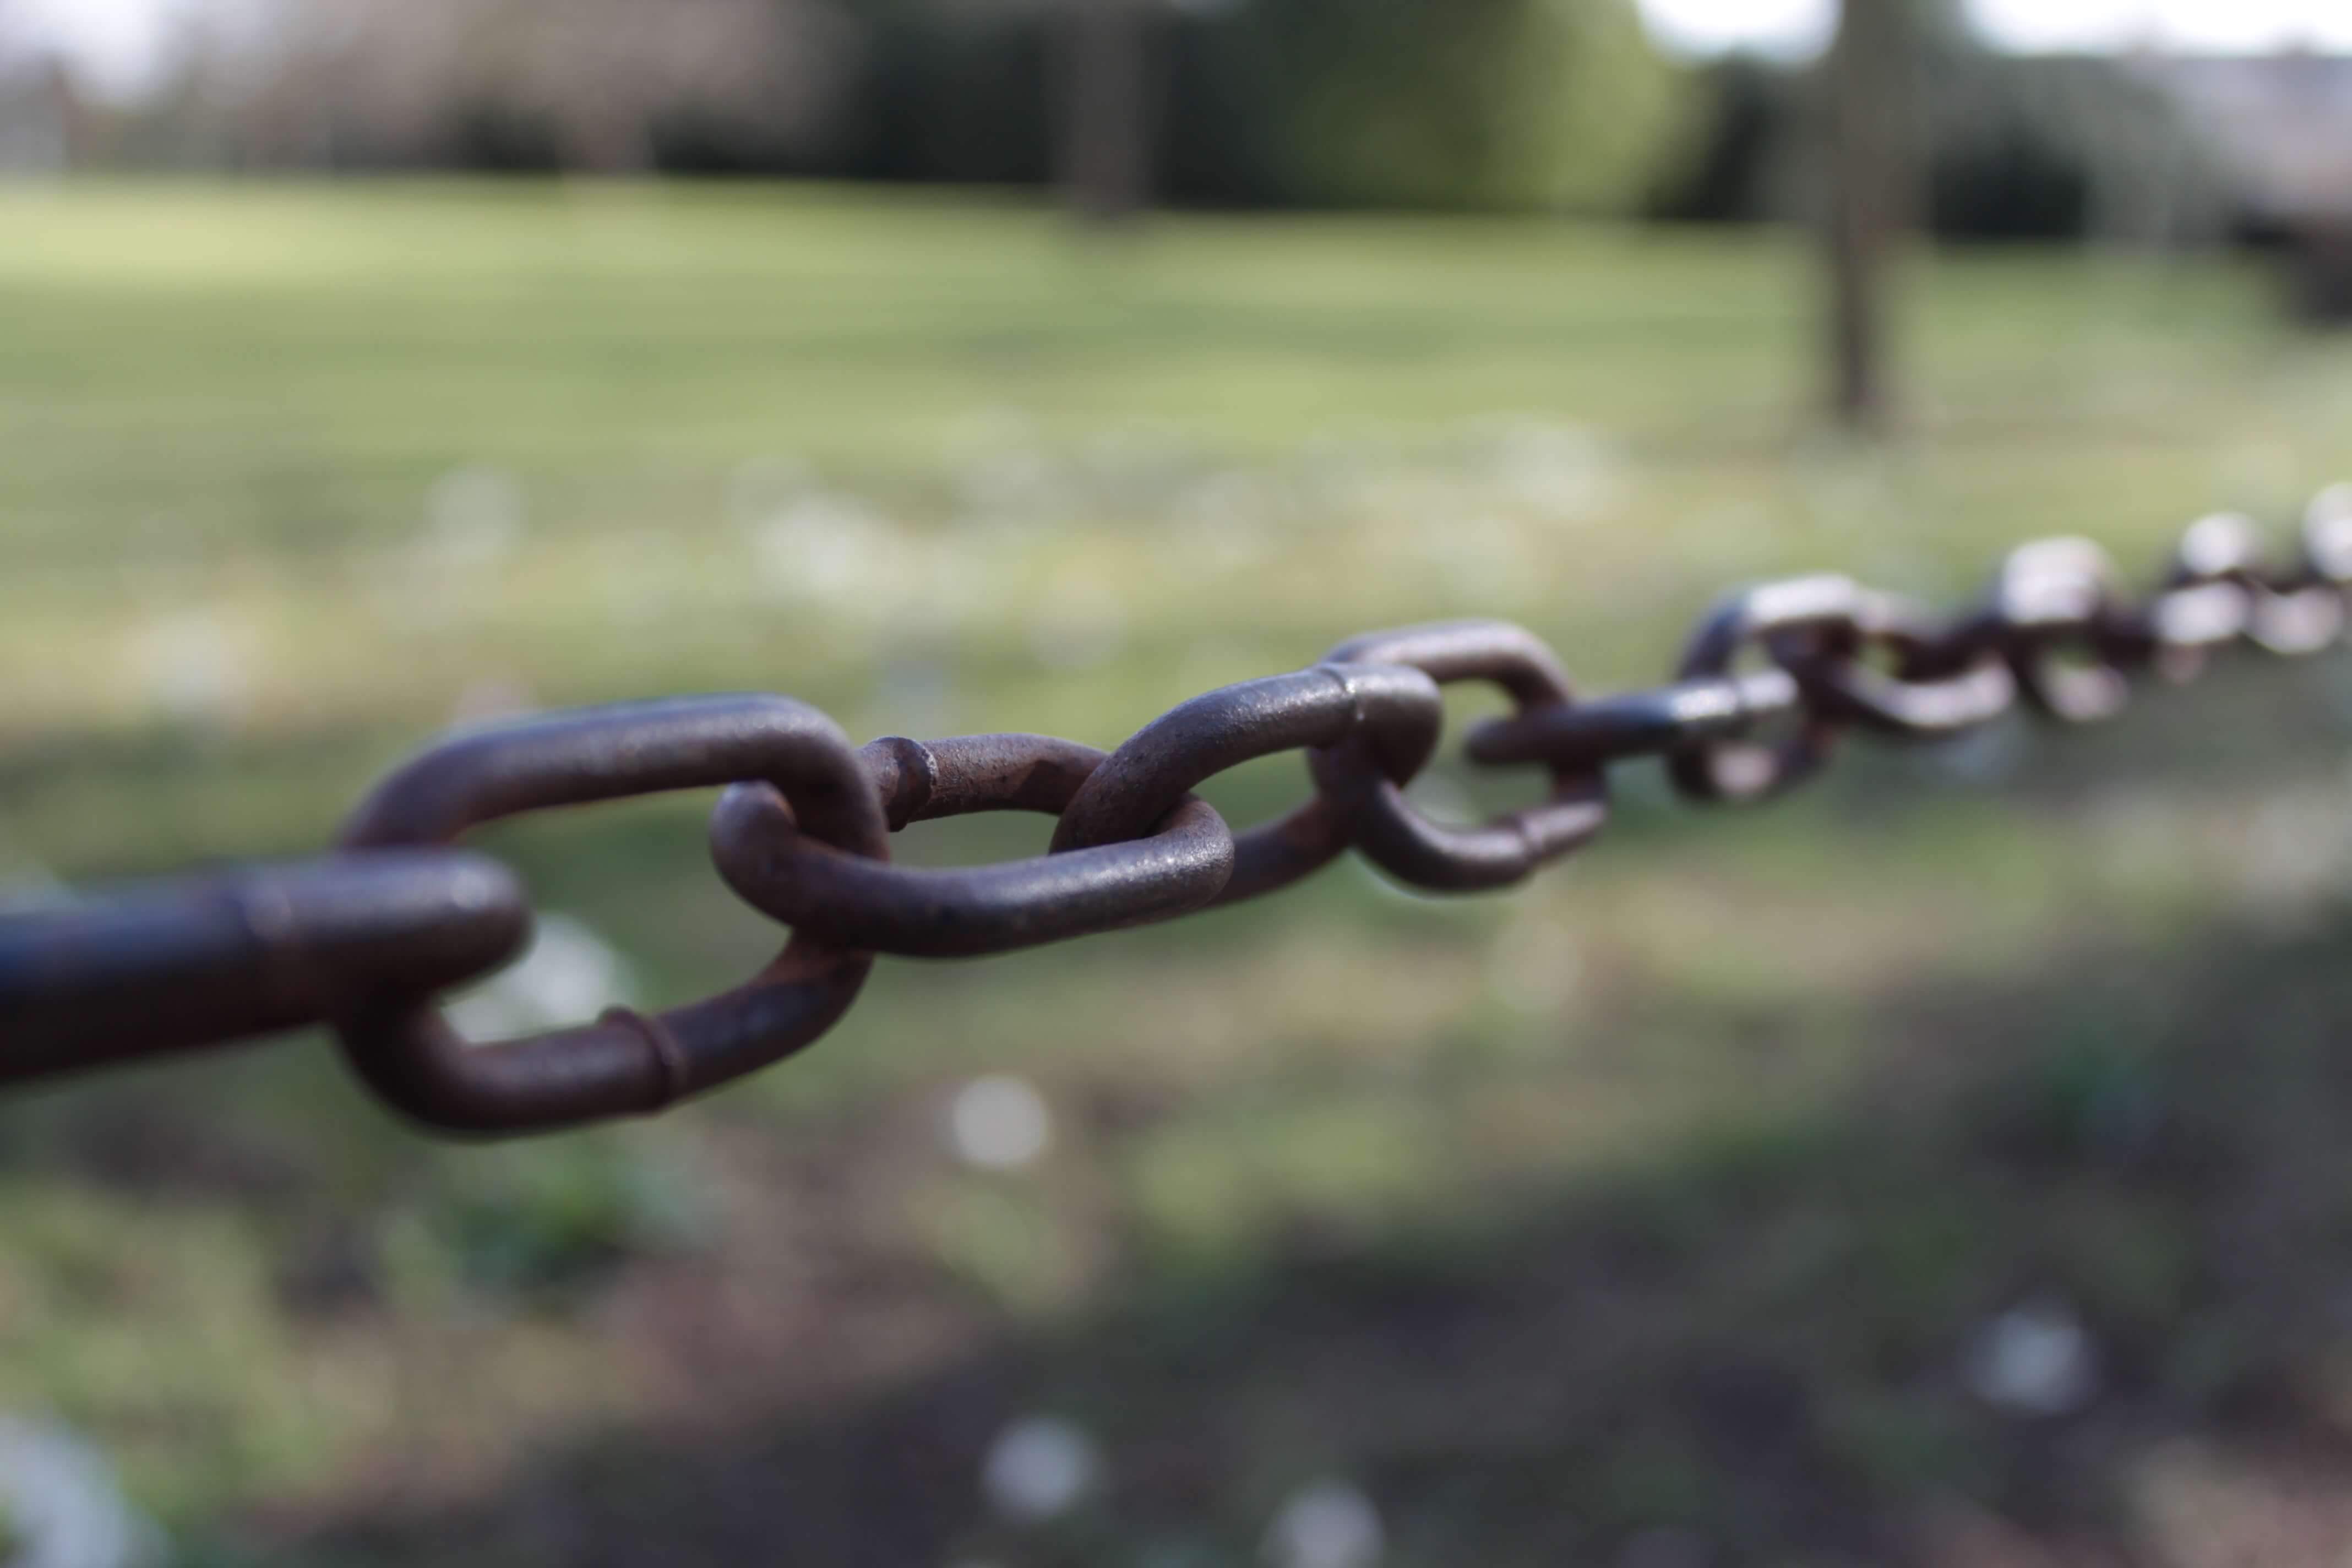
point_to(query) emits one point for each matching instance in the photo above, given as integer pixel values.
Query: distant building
(2281, 128)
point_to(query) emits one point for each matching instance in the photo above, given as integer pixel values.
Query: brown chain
(368, 937)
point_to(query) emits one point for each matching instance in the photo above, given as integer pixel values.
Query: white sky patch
(2228, 26)
(1785, 27)
(1799, 27)
(118, 49)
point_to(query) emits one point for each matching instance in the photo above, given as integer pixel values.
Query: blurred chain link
(367, 938)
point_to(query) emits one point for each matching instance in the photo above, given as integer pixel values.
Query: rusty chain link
(368, 938)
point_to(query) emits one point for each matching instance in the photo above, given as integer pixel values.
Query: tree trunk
(1867, 160)
(1106, 154)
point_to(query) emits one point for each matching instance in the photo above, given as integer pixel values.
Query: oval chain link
(961, 913)
(626, 1061)
(1391, 711)
(1367, 794)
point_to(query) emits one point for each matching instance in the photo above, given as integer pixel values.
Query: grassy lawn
(1660, 1207)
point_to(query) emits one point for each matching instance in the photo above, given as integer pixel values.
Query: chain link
(1180, 861)
(625, 1061)
(367, 939)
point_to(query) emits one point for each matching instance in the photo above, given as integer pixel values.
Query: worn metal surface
(1798, 624)
(1179, 863)
(1370, 798)
(165, 966)
(1392, 713)
(625, 1061)
(1771, 678)
(2048, 612)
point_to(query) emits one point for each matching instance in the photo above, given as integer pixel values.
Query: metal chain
(367, 938)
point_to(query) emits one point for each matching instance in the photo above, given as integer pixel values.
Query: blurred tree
(1730, 166)
(1488, 104)
(2014, 148)
(947, 92)
(1869, 199)
(525, 83)
(1496, 104)
(1106, 151)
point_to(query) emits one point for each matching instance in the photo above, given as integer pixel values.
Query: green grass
(291, 476)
